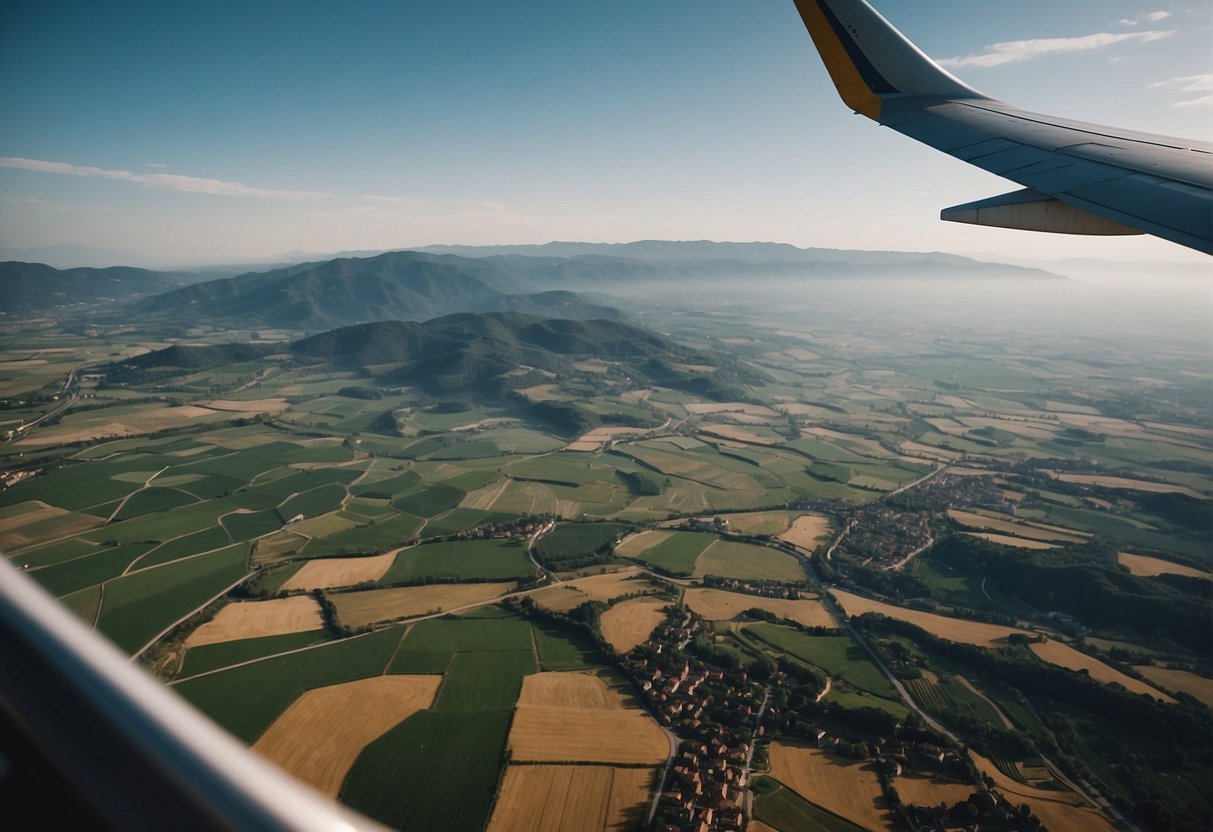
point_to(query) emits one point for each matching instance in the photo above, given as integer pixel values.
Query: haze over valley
(660, 535)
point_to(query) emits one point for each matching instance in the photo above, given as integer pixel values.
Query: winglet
(870, 60)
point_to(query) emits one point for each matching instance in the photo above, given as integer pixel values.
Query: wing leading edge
(1077, 178)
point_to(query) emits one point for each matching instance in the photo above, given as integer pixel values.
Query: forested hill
(30, 287)
(486, 353)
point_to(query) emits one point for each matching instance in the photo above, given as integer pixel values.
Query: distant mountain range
(416, 285)
(35, 287)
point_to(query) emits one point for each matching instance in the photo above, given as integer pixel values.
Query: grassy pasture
(207, 657)
(676, 553)
(564, 649)
(138, 606)
(746, 561)
(838, 656)
(461, 560)
(570, 541)
(245, 700)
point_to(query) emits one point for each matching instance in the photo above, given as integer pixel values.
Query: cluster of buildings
(765, 589)
(882, 535)
(717, 714)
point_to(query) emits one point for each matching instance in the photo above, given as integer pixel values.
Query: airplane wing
(1078, 178)
(88, 740)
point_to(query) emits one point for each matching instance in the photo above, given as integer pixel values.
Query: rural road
(665, 773)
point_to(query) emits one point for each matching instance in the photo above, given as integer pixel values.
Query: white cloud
(1017, 51)
(1203, 101)
(379, 198)
(167, 181)
(1186, 84)
(1144, 17)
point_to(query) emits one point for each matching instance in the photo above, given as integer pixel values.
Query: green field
(838, 656)
(409, 777)
(209, 657)
(560, 648)
(746, 561)
(138, 606)
(677, 554)
(461, 560)
(433, 501)
(107, 562)
(787, 811)
(245, 700)
(571, 541)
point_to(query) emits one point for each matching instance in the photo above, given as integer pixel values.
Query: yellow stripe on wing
(854, 91)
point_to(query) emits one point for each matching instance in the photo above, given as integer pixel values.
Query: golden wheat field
(576, 717)
(253, 619)
(327, 573)
(563, 597)
(1055, 652)
(1008, 540)
(808, 531)
(358, 609)
(542, 798)
(1149, 567)
(322, 733)
(1179, 681)
(845, 787)
(953, 629)
(631, 622)
(719, 605)
(1031, 531)
(640, 543)
(923, 791)
(1059, 811)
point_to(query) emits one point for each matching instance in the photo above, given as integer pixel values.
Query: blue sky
(221, 131)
